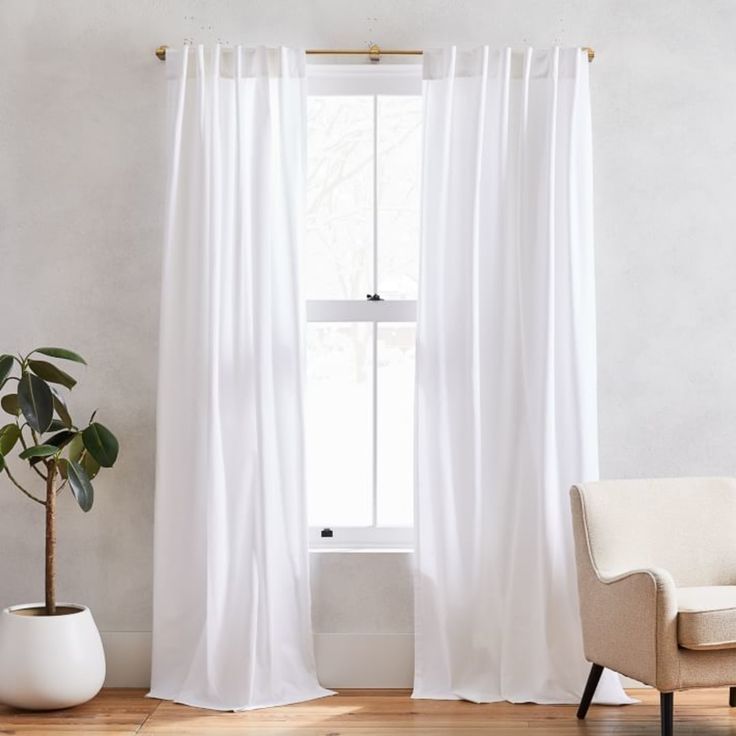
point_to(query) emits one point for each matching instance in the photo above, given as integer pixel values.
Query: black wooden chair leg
(666, 707)
(732, 697)
(595, 675)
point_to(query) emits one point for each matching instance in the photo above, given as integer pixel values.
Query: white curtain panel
(232, 623)
(506, 375)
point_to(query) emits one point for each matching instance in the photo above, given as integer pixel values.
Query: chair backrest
(685, 525)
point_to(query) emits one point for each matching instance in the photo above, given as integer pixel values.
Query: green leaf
(62, 411)
(91, 466)
(9, 435)
(101, 444)
(62, 353)
(10, 404)
(61, 439)
(6, 365)
(2, 463)
(56, 426)
(78, 454)
(36, 402)
(49, 372)
(76, 448)
(38, 451)
(80, 484)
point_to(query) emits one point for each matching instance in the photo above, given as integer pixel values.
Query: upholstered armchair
(656, 563)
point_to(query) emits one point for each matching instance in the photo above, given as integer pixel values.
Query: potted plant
(51, 654)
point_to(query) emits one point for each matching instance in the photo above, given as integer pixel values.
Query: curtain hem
(318, 693)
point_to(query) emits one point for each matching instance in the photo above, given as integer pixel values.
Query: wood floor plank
(119, 711)
(377, 713)
(384, 713)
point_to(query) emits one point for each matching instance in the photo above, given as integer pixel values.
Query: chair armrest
(630, 624)
(661, 578)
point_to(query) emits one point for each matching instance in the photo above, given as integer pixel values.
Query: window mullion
(375, 195)
(375, 425)
(375, 324)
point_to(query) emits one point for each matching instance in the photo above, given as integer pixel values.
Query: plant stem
(39, 473)
(50, 539)
(23, 490)
(25, 447)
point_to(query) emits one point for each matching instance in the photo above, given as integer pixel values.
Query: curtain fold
(232, 626)
(506, 375)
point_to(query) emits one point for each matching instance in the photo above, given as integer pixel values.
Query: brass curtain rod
(373, 52)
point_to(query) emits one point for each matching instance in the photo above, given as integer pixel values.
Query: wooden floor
(381, 712)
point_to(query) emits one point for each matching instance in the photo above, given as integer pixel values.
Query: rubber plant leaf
(10, 404)
(36, 402)
(9, 435)
(80, 484)
(62, 411)
(101, 443)
(6, 365)
(38, 451)
(50, 373)
(62, 353)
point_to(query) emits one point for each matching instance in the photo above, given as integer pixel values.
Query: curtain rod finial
(591, 53)
(161, 52)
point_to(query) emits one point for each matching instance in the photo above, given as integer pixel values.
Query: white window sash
(343, 310)
(348, 80)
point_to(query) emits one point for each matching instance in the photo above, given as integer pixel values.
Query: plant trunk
(50, 540)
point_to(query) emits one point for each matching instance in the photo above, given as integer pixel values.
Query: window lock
(373, 298)
(328, 533)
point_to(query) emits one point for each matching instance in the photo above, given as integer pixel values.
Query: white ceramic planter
(49, 662)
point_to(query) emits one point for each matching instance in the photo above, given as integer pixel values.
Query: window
(360, 274)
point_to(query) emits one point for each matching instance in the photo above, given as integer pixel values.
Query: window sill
(362, 539)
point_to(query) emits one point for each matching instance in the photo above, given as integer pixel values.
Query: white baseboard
(128, 656)
(386, 660)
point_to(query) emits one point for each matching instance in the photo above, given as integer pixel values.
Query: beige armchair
(656, 562)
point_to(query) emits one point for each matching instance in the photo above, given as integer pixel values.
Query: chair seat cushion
(706, 617)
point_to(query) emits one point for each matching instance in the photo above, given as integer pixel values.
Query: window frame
(359, 80)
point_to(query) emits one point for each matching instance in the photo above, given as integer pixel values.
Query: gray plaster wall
(82, 178)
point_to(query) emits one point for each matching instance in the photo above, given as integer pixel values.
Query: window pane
(339, 423)
(399, 176)
(395, 353)
(338, 261)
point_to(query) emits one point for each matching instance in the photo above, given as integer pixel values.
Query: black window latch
(373, 298)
